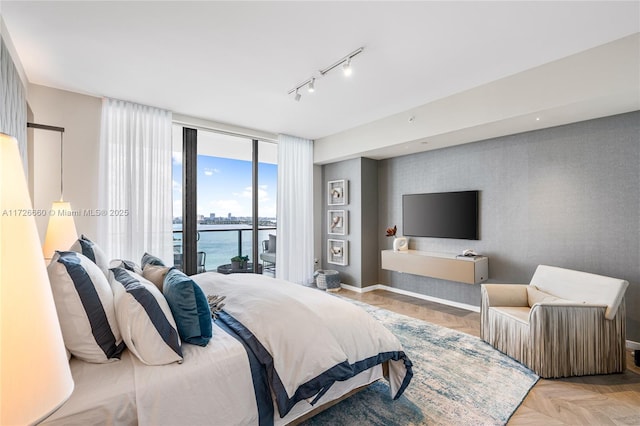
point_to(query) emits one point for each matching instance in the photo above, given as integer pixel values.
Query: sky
(224, 186)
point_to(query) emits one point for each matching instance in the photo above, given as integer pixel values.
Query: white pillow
(146, 323)
(92, 251)
(84, 303)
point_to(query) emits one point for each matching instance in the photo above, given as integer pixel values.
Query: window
(224, 197)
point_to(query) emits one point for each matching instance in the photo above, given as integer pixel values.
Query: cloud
(223, 207)
(177, 158)
(177, 208)
(263, 195)
(210, 172)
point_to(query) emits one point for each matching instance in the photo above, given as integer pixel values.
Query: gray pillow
(271, 248)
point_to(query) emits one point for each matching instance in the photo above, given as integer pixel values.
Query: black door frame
(190, 201)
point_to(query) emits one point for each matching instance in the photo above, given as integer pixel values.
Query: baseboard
(633, 345)
(412, 294)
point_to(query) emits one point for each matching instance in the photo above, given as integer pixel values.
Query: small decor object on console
(391, 232)
(400, 244)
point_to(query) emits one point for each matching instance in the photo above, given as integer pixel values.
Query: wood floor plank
(612, 399)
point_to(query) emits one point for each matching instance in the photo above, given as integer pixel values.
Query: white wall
(80, 116)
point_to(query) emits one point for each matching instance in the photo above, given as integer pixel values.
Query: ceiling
(234, 62)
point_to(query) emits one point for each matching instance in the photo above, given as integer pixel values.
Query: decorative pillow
(536, 296)
(84, 303)
(271, 248)
(189, 306)
(145, 319)
(155, 274)
(148, 259)
(125, 264)
(92, 251)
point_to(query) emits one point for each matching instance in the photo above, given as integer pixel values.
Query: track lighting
(346, 67)
(345, 61)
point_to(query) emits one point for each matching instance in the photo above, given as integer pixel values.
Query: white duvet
(312, 339)
(303, 332)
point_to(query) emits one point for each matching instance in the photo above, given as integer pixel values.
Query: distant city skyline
(224, 187)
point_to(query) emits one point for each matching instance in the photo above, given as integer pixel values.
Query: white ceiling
(234, 62)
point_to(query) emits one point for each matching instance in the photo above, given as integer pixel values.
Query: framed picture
(337, 252)
(337, 222)
(337, 192)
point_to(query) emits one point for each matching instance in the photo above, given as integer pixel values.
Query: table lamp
(34, 370)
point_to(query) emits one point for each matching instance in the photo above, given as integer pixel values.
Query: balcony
(220, 243)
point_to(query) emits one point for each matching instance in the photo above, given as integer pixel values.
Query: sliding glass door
(224, 190)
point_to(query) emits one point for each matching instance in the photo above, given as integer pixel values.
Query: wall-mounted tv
(441, 215)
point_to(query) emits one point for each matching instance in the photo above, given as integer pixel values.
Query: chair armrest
(569, 303)
(559, 305)
(505, 294)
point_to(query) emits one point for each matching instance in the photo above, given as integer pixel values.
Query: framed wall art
(337, 252)
(337, 192)
(337, 222)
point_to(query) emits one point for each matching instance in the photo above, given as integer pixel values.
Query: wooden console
(472, 270)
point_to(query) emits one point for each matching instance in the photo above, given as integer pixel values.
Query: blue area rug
(457, 379)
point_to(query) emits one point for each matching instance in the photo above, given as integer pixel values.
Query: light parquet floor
(612, 399)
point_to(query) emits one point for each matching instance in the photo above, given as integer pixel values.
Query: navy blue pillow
(148, 259)
(189, 307)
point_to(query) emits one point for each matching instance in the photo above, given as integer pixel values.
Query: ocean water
(220, 242)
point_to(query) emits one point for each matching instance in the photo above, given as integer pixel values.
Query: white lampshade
(61, 230)
(35, 374)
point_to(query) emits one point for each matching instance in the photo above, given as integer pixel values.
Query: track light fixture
(346, 67)
(345, 61)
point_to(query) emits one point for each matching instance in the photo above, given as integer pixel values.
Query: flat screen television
(441, 215)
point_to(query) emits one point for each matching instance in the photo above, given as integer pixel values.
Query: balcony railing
(220, 245)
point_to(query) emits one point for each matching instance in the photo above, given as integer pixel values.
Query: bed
(279, 353)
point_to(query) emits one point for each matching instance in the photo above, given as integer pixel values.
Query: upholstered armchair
(564, 323)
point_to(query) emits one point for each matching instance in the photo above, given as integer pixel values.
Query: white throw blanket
(307, 339)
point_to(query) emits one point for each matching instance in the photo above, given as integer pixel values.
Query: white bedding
(307, 339)
(213, 386)
(102, 394)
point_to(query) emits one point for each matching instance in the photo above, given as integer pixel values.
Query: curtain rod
(45, 127)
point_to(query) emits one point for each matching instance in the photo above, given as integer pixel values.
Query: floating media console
(471, 270)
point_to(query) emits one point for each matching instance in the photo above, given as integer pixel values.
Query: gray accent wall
(362, 210)
(566, 196)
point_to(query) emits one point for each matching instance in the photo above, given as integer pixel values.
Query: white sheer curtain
(294, 254)
(135, 181)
